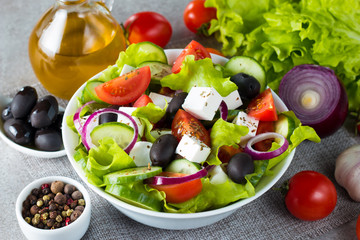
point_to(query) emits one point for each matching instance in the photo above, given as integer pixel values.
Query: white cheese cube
(123, 119)
(233, 100)
(192, 149)
(217, 175)
(242, 119)
(159, 99)
(202, 102)
(141, 153)
(126, 69)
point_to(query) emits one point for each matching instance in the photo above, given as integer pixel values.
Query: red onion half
(77, 120)
(162, 180)
(91, 123)
(316, 96)
(258, 155)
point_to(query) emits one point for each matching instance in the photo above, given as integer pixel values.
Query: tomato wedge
(193, 48)
(178, 193)
(264, 127)
(185, 123)
(215, 51)
(142, 101)
(262, 107)
(226, 152)
(126, 88)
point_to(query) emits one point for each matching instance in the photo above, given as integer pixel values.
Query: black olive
(58, 121)
(23, 102)
(19, 131)
(175, 105)
(6, 113)
(248, 86)
(109, 117)
(240, 165)
(44, 112)
(163, 150)
(48, 139)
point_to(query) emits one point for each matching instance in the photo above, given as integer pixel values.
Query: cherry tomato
(358, 227)
(262, 107)
(177, 193)
(142, 101)
(185, 123)
(193, 48)
(311, 196)
(226, 152)
(264, 127)
(126, 88)
(215, 51)
(148, 26)
(196, 14)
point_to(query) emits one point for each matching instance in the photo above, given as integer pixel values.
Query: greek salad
(181, 137)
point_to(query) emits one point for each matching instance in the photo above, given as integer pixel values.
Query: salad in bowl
(180, 135)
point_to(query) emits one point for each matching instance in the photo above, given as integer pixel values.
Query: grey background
(265, 218)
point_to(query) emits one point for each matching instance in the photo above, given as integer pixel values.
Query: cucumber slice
(285, 126)
(154, 50)
(158, 70)
(121, 132)
(133, 197)
(130, 175)
(247, 65)
(159, 132)
(183, 166)
(89, 94)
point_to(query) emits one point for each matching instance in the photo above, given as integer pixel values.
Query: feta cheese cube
(242, 119)
(126, 69)
(192, 149)
(159, 99)
(202, 102)
(233, 100)
(217, 175)
(123, 119)
(141, 153)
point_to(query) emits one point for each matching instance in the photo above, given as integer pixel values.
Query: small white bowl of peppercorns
(54, 207)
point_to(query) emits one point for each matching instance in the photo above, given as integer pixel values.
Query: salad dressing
(73, 41)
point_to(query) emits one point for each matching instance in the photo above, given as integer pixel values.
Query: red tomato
(311, 196)
(177, 193)
(358, 227)
(264, 127)
(126, 88)
(215, 51)
(185, 123)
(262, 107)
(193, 48)
(226, 152)
(196, 14)
(142, 101)
(148, 26)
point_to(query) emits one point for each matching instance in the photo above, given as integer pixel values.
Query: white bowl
(74, 230)
(4, 101)
(171, 220)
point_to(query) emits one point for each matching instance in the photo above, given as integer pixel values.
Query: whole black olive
(240, 165)
(163, 150)
(175, 105)
(6, 113)
(19, 131)
(248, 86)
(44, 112)
(48, 139)
(23, 102)
(58, 121)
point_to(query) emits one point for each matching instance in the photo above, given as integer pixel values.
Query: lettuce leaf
(200, 73)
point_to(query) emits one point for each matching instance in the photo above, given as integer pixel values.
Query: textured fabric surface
(264, 218)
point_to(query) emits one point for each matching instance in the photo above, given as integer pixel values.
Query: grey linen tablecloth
(264, 218)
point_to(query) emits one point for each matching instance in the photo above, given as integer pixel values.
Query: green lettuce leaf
(151, 112)
(200, 73)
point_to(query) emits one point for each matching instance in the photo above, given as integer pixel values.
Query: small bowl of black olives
(32, 124)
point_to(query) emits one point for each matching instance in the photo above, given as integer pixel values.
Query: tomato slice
(126, 88)
(264, 127)
(142, 101)
(178, 193)
(215, 51)
(262, 107)
(185, 123)
(193, 48)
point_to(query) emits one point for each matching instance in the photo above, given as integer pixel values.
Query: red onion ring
(223, 110)
(91, 123)
(161, 180)
(77, 119)
(258, 155)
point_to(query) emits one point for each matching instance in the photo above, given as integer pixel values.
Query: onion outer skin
(328, 119)
(347, 171)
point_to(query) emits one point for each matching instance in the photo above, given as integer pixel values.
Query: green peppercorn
(36, 219)
(46, 198)
(28, 220)
(58, 218)
(44, 215)
(81, 202)
(39, 203)
(63, 214)
(69, 212)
